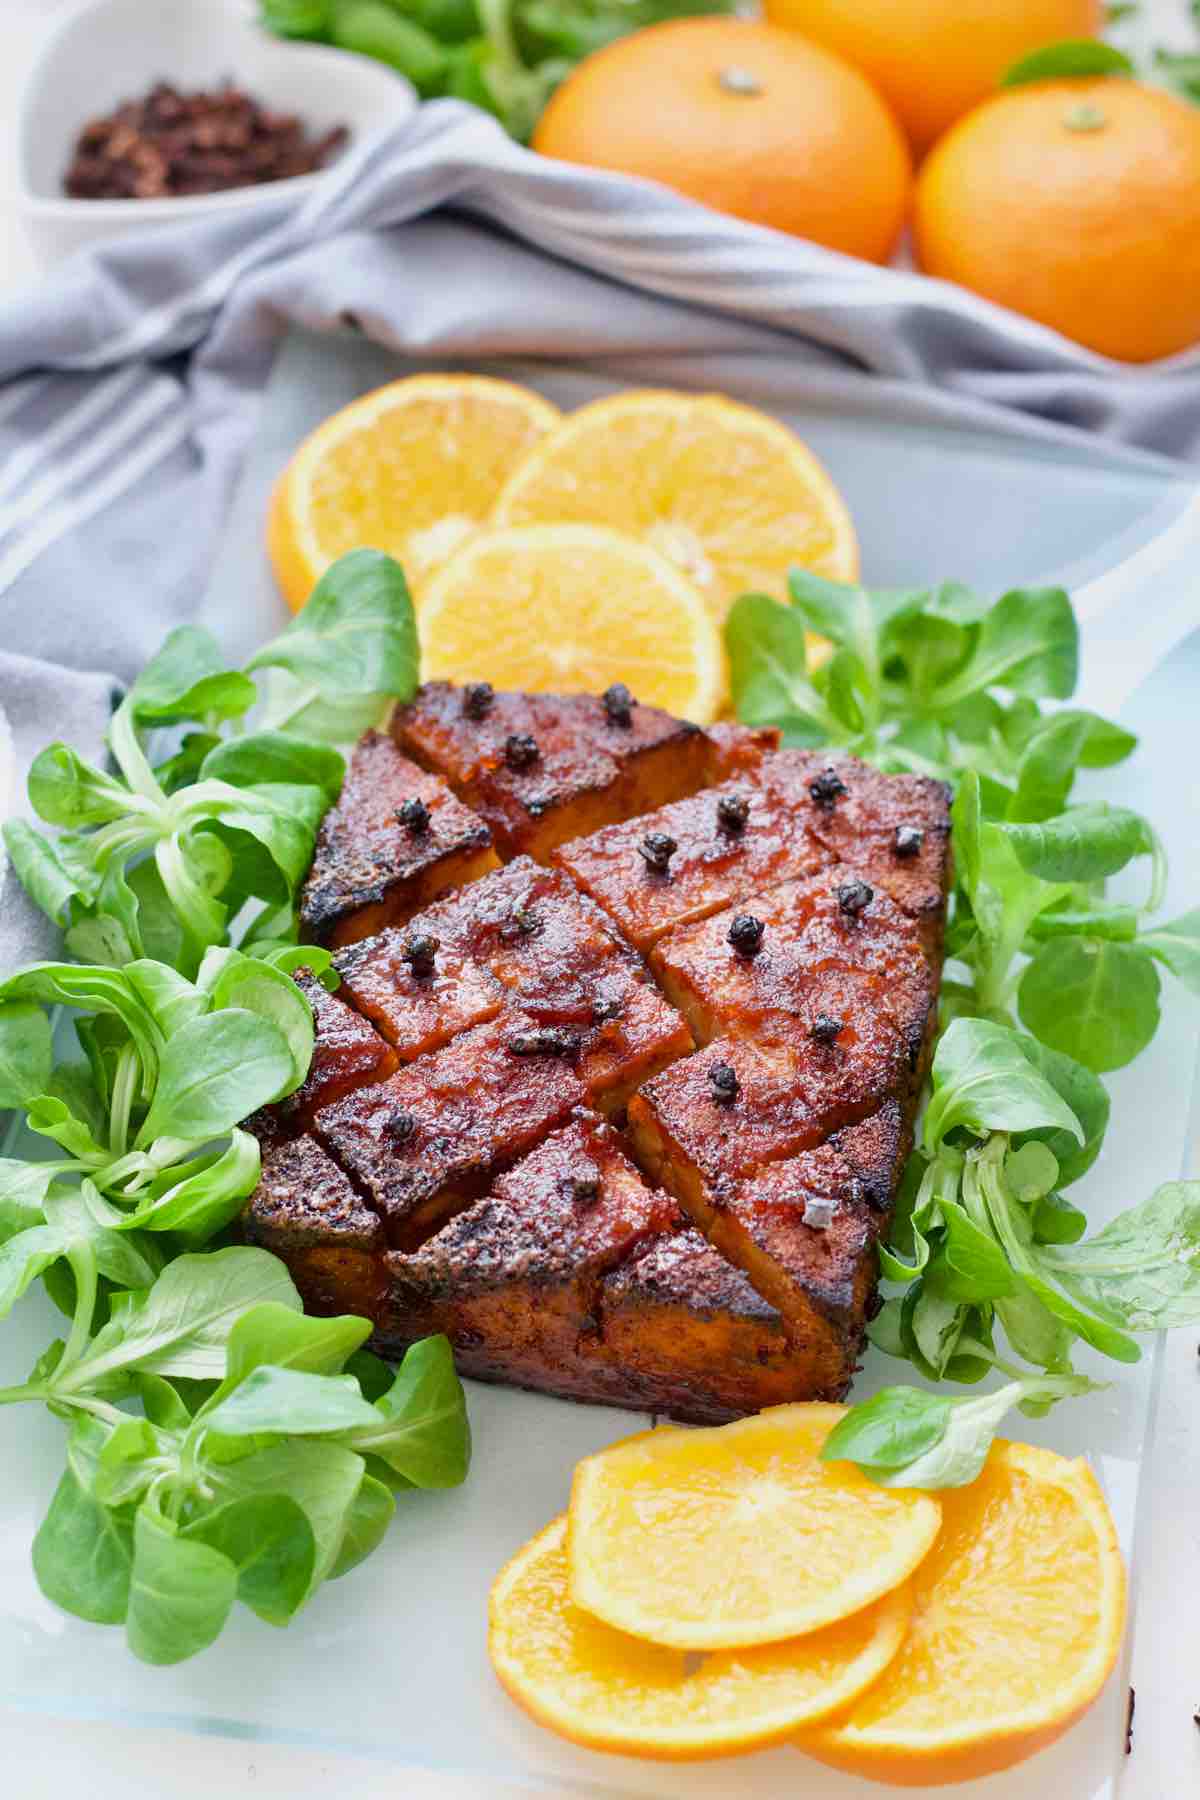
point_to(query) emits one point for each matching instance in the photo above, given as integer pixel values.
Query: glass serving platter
(392, 1660)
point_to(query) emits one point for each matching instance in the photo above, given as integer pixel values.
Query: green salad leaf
(157, 862)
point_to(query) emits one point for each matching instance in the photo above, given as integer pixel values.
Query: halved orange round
(563, 608)
(1018, 1616)
(738, 1534)
(608, 1691)
(730, 495)
(413, 468)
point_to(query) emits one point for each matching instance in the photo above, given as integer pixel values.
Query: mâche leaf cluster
(1049, 983)
(221, 1446)
(163, 861)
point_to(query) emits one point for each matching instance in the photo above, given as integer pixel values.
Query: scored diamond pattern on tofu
(714, 860)
(692, 1133)
(685, 1333)
(419, 1008)
(523, 938)
(306, 1211)
(513, 1280)
(806, 964)
(541, 768)
(422, 1144)
(875, 824)
(448, 1164)
(371, 868)
(804, 1231)
(347, 1053)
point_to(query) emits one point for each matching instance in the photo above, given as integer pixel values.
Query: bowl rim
(165, 206)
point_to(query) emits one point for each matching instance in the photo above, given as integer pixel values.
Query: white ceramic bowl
(106, 51)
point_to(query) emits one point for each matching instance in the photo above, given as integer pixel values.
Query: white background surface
(48, 1758)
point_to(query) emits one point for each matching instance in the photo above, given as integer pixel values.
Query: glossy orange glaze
(474, 1107)
(736, 749)
(512, 1280)
(711, 866)
(813, 960)
(418, 1013)
(347, 1053)
(860, 827)
(690, 1139)
(369, 869)
(817, 1266)
(588, 769)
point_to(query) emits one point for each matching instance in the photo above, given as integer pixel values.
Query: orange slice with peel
(564, 608)
(1018, 1617)
(738, 1534)
(413, 468)
(731, 496)
(608, 1691)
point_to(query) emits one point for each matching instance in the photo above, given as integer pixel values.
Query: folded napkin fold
(130, 378)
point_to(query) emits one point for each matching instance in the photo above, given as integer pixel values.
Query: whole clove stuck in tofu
(621, 1075)
(170, 144)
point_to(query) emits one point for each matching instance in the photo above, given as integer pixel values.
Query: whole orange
(935, 59)
(746, 119)
(1078, 204)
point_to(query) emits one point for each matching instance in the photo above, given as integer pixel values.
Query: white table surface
(42, 1759)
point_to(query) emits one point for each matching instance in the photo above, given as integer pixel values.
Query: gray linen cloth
(129, 379)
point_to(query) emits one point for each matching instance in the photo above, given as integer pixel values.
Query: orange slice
(412, 468)
(731, 496)
(608, 1691)
(738, 1535)
(557, 608)
(1019, 1612)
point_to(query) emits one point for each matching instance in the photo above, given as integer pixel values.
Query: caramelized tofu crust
(685, 1333)
(536, 934)
(738, 749)
(424, 1143)
(715, 859)
(541, 768)
(512, 1281)
(525, 939)
(452, 1170)
(794, 961)
(894, 828)
(370, 868)
(635, 1036)
(348, 1053)
(305, 1210)
(691, 1133)
(805, 1233)
(420, 1006)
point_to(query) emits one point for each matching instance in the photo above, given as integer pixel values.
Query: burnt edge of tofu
(370, 869)
(308, 1213)
(337, 1247)
(348, 1053)
(543, 768)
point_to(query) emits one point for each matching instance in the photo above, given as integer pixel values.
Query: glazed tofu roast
(620, 1077)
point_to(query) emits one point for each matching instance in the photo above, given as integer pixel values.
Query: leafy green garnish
(988, 1241)
(259, 1492)
(221, 1445)
(906, 1437)
(158, 863)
